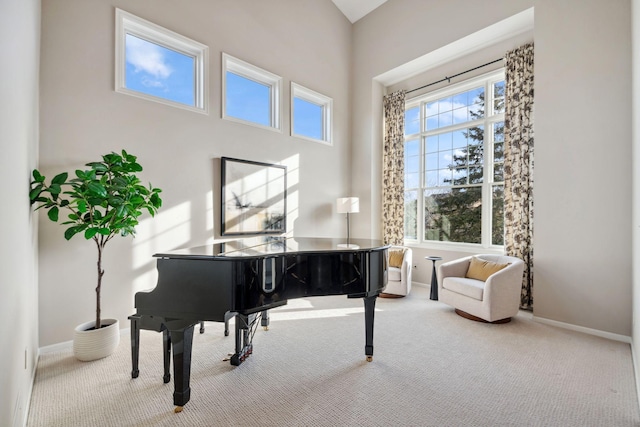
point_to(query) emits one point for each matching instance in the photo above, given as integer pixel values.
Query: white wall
(305, 41)
(19, 49)
(582, 190)
(635, 19)
(583, 168)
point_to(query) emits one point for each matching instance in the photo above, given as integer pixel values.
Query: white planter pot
(95, 344)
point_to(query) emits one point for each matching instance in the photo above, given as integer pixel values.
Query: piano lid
(269, 245)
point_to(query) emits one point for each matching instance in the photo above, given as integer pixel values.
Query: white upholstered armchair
(483, 287)
(399, 272)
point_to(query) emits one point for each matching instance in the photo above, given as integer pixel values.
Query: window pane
(412, 180)
(155, 70)
(411, 214)
(453, 215)
(412, 121)
(431, 123)
(460, 115)
(307, 119)
(445, 119)
(411, 164)
(498, 152)
(498, 172)
(431, 161)
(247, 99)
(498, 97)
(412, 148)
(445, 105)
(498, 132)
(431, 144)
(497, 215)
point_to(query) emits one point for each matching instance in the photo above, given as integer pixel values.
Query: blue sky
(158, 71)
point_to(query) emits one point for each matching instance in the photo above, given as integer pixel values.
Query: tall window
(250, 94)
(157, 64)
(454, 180)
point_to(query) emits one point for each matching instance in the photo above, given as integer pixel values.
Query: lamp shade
(348, 205)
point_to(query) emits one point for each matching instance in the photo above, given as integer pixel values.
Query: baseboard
(67, 345)
(635, 371)
(596, 332)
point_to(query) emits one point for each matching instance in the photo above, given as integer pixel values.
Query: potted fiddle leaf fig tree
(101, 202)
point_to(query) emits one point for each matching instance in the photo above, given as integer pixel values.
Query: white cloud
(147, 57)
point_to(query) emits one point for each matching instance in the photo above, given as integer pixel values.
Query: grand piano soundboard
(245, 278)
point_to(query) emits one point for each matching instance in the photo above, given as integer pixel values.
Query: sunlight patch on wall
(169, 229)
(293, 183)
(209, 216)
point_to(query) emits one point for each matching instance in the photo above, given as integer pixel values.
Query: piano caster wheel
(134, 374)
(266, 328)
(166, 378)
(369, 358)
(178, 409)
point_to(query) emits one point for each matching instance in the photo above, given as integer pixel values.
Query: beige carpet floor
(430, 368)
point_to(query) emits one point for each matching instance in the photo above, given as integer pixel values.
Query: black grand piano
(245, 278)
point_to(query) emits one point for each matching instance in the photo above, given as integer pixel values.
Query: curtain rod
(448, 79)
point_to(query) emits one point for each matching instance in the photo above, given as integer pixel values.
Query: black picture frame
(253, 197)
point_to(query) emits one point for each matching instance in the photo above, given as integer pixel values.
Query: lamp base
(348, 246)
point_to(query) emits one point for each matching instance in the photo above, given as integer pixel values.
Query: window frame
(259, 75)
(127, 23)
(490, 118)
(316, 98)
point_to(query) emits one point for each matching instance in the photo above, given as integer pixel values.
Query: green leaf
(104, 231)
(37, 176)
(55, 189)
(60, 179)
(82, 206)
(98, 166)
(97, 189)
(35, 192)
(72, 231)
(53, 214)
(90, 232)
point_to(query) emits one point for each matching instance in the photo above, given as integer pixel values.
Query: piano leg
(181, 341)
(369, 309)
(202, 327)
(166, 347)
(265, 320)
(135, 345)
(228, 316)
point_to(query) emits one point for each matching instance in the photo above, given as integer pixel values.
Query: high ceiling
(356, 9)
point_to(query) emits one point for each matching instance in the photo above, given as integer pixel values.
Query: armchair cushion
(395, 258)
(480, 269)
(471, 288)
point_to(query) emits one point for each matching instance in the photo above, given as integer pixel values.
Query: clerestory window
(250, 94)
(160, 65)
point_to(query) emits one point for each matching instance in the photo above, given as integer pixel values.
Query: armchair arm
(455, 268)
(509, 279)
(407, 265)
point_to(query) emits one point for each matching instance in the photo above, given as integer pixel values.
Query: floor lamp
(348, 205)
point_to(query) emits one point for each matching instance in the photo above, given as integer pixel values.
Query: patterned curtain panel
(393, 169)
(518, 163)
